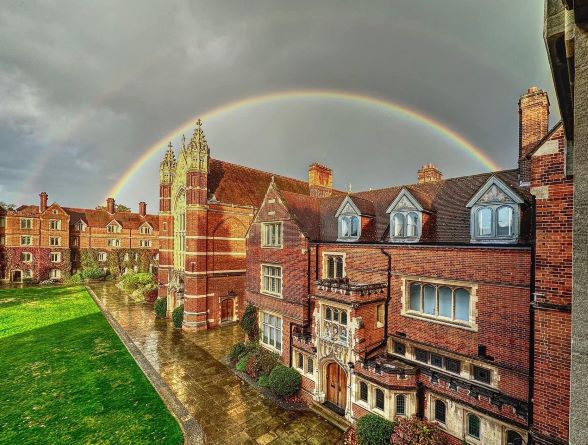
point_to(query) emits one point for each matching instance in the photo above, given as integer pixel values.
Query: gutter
(532, 315)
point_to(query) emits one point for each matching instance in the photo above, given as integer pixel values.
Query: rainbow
(337, 95)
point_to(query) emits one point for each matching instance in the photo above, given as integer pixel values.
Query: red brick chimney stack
(43, 202)
(429, 173)
(110, 207)
(533, 126)
(142, 208)
(320, 180)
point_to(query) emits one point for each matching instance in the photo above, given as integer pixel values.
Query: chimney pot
(110, 206)
(429, 173)
(43, 201)
(320, 180)
(142, 208)
(533, 126)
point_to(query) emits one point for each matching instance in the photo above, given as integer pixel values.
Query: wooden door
(336, 385)
(227, 310)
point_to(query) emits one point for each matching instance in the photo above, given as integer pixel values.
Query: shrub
(261, 361)
(75, 279)
(242, 364)
(414, 430)
(92, 273)
(178, 316)
(263, 381)
(284, 381)
(374, 430)
(134, 281)
(249, 322)
(160, 307)
(237, 350)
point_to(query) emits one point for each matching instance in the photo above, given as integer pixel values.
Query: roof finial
(199, 123)
(349, 188)
(169, 146)
(273, 179)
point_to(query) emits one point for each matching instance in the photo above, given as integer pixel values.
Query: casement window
(146, 230)
(380, 314)
(363, 391)
(300, 361)
(55, 274)
(437, 360)
(334, 266)
(80, 226)
(440, 411)
(404, 225)
(26, 223)
(54, 241)
(401, 405)
(439, 301)
(2, 221)
(114, 242)
(271, 234)
(481, 374)
(271, 330)
(349, 227)
(55, 257)
(514, 438)
(305, 364)
(271, 279)
(335, 324)
(55, 224)
(145, 243)
(399, 348)
(74, 241)
(379, 399)
(495, 222)
(113, 228)
(309, 365)
(26, 257)
(473, 426)
(102, 256)
(26, 240)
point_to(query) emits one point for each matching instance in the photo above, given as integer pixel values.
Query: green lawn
(66, 378)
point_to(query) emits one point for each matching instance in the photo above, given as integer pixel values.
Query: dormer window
(495, 213)
(405, 218)
(113, 228)
(349, 221)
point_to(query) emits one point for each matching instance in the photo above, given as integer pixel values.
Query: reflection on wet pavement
(229, 411)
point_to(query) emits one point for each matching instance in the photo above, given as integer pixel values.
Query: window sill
(271, 294)
(272, 247)
(348, 240)
(271, 348)
(455, 324)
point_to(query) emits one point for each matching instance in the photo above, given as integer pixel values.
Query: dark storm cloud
(89, 86)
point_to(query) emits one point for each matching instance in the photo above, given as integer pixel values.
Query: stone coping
(193, 433)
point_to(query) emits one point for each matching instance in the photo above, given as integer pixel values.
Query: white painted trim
(404, 193)
(494, 180)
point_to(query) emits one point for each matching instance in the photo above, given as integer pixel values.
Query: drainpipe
(308, 287)
(532, 315)
(388, 298)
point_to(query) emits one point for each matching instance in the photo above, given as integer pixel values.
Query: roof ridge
(260, 171)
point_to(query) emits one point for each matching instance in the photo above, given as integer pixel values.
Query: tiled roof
(101, 218)
(445, 201)
(306, 210)
(240, 185)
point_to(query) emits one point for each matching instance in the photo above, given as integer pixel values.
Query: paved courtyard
(228, 410)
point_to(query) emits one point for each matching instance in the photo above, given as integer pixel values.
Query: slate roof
(445, 201)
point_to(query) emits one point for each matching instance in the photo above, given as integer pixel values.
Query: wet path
(229, 411)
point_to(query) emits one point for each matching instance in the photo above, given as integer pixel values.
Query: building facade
(432, 299)
(43, 242)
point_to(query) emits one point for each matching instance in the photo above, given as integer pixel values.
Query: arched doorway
(227, 310)
(336, 387)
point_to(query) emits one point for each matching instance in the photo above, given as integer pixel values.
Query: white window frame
(326, 257)
(272, 234)
(28, 242)
(55, 241)
(102, 256)
(57, 256)
(265, 273)
(146, 229)
(26, 223)
(113, 242)
(56, 272)
(54, 224)
(25, 260)
(267, 328)
(145, 243)
(113, 227)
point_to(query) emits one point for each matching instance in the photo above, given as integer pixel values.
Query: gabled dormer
(406, 218)
(146, 228)
(348, 220)
(81, 226)
(495, 213)
(114, 227)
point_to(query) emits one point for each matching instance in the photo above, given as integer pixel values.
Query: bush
(249, 322)
(75, 279)
(92, 273)
(414, 430)
(284, 381)
(261, 361)
(374, 430)
(134, 281)
(263, 381)
(237, 350)
(160, 307)
(242, 364)
(178, 316)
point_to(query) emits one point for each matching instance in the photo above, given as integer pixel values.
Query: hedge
(284, 381)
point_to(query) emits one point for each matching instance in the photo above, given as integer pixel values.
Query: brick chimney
(43, 201)
(320, 180)
(429, 173)
(142, 208)
(533, 126)
(110, 207)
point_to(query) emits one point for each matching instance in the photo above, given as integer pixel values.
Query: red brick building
(446, 299)
(41, 242)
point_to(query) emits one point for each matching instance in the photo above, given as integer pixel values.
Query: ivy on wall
(119, 260)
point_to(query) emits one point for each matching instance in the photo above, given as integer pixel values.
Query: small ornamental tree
(284, 381)
(160, 307)
(374, 430)
(178, 316)
(409, 431)
(249, 322)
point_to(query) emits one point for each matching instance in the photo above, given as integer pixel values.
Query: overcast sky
(87, 87)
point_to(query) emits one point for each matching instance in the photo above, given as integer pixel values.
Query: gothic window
(473, 426)
(334, 267)
(379, 399)
(440, 411)
(400, 405)
(363, 391)
(514, 438)
(179, 213)
(405, 218)
(335, 324)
